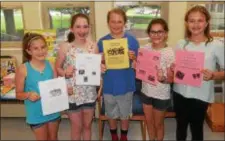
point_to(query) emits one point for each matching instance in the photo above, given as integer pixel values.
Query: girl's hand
(207, 74)
(134, 64)
(170, 75)
(172, 67)
(103, 58)
(160, 75)
(103, 68)
(33, 96)
(99, 94)
(70, 90)
(69, 72)
(132, 55)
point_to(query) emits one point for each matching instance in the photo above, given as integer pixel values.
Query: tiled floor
(16, 129)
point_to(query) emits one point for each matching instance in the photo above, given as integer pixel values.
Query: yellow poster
(50, 37)
(116, 53)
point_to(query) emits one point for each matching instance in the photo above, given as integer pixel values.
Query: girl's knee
(87, 126)
(159, 125)
(52, 137)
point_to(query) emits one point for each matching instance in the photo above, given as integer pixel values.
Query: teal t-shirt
(34, 114)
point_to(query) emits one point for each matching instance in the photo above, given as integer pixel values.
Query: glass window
(12, 27)
(213, 8)
(139, 16)
(59, 19)
(220, 8)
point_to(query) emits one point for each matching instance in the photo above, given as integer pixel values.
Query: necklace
(37, 69)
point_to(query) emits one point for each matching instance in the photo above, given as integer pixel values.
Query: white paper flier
(54, 95)
(88, 69)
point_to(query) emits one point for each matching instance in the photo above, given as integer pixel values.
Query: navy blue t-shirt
(119, 81)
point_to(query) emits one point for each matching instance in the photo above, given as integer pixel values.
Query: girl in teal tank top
(28, 75)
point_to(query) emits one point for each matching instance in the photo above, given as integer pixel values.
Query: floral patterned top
(82, 94)
(161, 90)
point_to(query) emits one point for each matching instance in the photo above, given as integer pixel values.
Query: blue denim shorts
(35, 126)
(161, 105)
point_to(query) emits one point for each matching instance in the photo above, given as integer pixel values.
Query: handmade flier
(88, 70)
(147, 63)
(188, 67)
(116, 53)
(54, 95)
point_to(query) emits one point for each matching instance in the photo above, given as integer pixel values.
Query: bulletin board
(8, 68)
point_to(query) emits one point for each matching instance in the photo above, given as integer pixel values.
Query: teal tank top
(34, 114)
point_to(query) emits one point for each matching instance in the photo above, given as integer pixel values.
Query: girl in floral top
(81, 98)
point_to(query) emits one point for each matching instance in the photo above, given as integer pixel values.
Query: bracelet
(28, 95)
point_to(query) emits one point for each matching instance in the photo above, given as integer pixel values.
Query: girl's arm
(96, 51)
(21, 74)
(54, 70)
(20, 79)
(61, 56)
(218, 75)
(100, 90)
(210, 75)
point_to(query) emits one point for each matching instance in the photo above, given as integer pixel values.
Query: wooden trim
(13, 44)
(190, 3)
(4, 101)
(11, 5)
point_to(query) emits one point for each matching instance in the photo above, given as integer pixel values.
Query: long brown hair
(204, 11)
(71, 36)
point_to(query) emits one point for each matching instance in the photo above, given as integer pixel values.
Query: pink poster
(147, 63)
(188, 67)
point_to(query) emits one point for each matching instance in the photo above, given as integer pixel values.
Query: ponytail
(70, 37)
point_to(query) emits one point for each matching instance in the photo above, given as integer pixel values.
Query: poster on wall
(8, 67)
(50, 37)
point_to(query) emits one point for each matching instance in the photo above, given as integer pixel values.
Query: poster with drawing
(54, 95)
(88, 69)
(116, 53)
(147, 63)
(188, 67)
